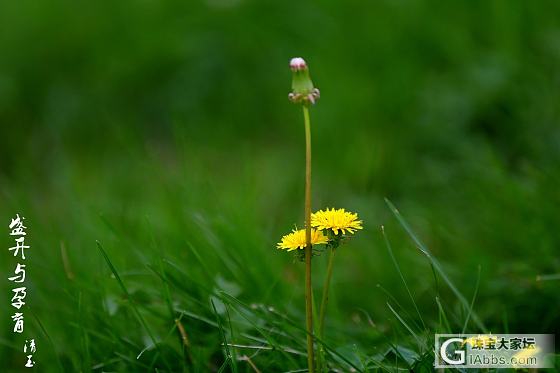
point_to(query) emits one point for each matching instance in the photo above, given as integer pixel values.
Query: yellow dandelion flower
(296, 239)
(336, 220)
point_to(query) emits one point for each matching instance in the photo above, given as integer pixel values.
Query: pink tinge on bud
(311, 98)
(297, 63)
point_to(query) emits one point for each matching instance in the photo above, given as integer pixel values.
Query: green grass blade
(228, 356)
(437, 266)
(86, 358)
(133, 305)
(395, 301)
(443, 316)
(401, 320)
(224, 297)
(166, 291)
(51, 343)
(472, 301)
(329, 349)
(233, 350)
(390, 249)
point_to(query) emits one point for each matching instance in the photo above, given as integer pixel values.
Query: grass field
(157, 161)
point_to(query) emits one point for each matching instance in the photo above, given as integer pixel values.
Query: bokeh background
(163, 130)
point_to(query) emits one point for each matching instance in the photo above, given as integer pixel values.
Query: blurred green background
(163, 130)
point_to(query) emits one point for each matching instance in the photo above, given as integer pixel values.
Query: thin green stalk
(325, 298)
(308, 249)
(323, 309)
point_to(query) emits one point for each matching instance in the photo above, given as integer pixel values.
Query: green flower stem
(323, 309)
(308, 249)
(325, 298)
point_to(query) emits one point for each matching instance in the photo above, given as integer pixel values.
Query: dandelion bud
(302, 86)
(298, 63)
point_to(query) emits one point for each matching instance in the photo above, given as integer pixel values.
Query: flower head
(336, 220)
(296, 239)
(303, 90)
(297, 63)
